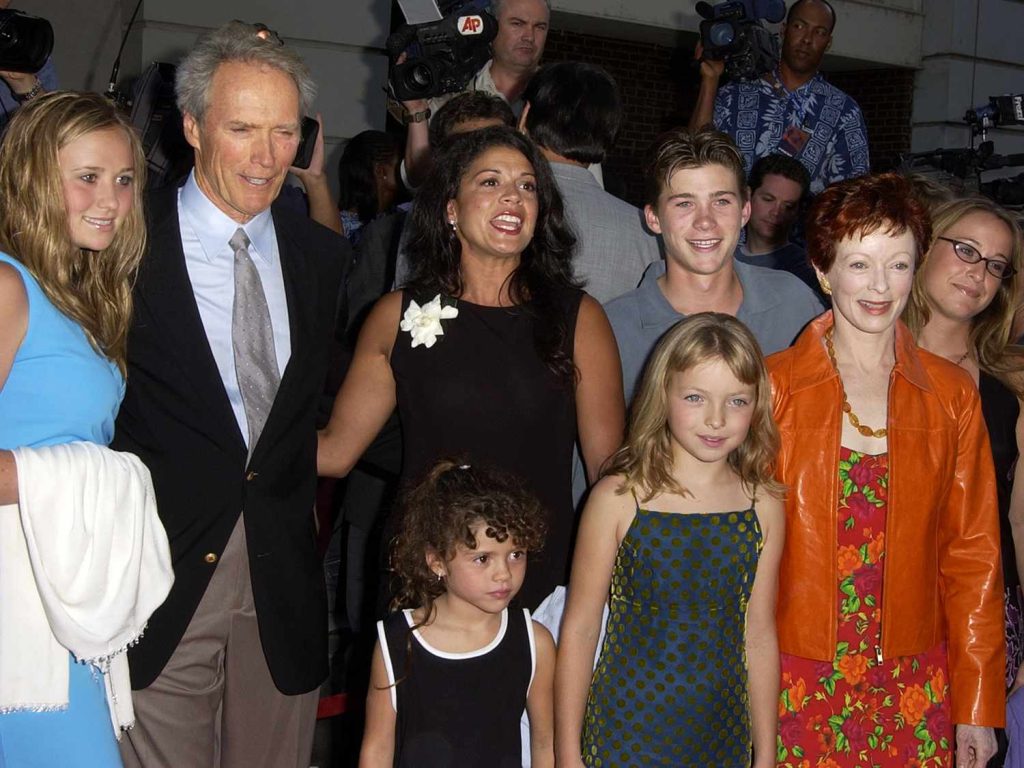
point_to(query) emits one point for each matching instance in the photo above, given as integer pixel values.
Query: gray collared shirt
(776, 306)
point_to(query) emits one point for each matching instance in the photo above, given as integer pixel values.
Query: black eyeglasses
(967, 252)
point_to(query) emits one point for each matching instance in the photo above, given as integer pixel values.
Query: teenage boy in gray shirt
(697, 200)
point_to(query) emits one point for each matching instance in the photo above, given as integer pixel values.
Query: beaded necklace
(864, 429)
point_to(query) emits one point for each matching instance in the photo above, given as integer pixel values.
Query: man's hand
(414, 105)
(417, 158)
(316, 162)
(710, 73)
(323, 208)
(975, 746)
(20, 83)
(710, 69)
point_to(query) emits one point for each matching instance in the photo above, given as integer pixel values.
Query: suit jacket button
(210, 557)
(251, 476)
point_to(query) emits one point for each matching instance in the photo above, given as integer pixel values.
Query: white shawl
(84, 562)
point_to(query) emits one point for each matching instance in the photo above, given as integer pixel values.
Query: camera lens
(418, 78)
(721, 34)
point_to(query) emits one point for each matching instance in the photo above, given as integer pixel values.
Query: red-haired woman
(890, 597)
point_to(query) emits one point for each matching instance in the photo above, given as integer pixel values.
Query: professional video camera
(442, 54)
(1000, 110)
(962, 168)
(25, 41)
(733, 31)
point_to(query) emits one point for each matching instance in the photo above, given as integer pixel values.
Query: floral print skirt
(856, 711)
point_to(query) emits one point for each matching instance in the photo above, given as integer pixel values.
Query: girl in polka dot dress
(682, 537)
(455, 667)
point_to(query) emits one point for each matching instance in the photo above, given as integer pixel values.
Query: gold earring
(825, 287)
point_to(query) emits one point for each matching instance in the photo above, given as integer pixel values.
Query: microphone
(112, 87)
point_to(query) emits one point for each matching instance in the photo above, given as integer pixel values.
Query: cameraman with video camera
(793, 109)
(22, 86)
(515, 55)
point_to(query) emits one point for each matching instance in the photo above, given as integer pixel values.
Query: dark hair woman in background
(368, 177)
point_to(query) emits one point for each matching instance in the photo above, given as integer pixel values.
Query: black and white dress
(458, 710)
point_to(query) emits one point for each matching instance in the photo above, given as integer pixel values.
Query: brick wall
(659, 86)
(886, 99)
(653, 99)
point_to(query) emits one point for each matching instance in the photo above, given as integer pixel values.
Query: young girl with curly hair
(454, 667)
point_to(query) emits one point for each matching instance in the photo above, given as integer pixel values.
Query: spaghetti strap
(636, 501)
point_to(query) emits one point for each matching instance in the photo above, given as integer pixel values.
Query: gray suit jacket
(613, 249)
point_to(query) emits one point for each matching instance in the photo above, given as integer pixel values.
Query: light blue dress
(59, 390)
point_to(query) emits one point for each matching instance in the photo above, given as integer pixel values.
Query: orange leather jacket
(942, 580)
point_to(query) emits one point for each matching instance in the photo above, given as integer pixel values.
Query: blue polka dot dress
(670, 687)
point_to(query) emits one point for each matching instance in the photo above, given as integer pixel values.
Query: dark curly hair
(544, 273)
(439, 513)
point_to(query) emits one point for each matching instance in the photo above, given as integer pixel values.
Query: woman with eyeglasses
(962, 307)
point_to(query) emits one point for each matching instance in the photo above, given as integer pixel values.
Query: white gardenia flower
(424, 323)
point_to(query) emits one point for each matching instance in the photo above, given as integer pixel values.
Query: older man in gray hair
(235, 307)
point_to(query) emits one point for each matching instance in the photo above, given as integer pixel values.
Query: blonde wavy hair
(991, 329)
(92, 288)
(645, 459)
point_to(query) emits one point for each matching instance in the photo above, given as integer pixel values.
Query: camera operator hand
(417, 145)
(22, 83)
(711, 71)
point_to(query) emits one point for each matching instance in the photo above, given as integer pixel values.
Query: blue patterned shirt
(757, 114)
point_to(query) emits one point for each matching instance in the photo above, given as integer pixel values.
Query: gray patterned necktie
(252, 339)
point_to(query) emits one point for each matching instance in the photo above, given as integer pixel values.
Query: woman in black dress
(491, 352)
(962, 308)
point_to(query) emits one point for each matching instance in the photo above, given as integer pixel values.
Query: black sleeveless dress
(458, 710)
(483, 393)
(1000, 408)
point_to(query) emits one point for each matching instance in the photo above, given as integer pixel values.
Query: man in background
(573, 112)
(778, 187)
(515, 55)
(793, 109)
